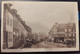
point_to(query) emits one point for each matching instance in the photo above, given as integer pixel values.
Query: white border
(40, 49)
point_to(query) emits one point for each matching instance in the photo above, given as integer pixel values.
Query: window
(10, 40)
(9, 37)
(74, 35)
(74, 30)
(60, 30)
(17, 34)
(7, 20)
(69, 34)
(69, 30)
(8, 34)
(65, 30)
(10, 22)
(14, 33)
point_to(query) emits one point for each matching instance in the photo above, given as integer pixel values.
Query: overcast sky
(41, 16)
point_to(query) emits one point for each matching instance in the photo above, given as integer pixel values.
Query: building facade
(19, 31)
(61, 32)
(7, 27)
(14, 31)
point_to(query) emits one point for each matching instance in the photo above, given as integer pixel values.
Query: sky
(41, 16)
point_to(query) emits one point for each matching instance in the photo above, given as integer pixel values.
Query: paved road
(48, 45)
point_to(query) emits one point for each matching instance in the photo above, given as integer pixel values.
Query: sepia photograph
(39, 26)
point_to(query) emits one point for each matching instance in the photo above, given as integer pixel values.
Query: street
(48, 45)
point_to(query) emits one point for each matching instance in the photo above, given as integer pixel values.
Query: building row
(14, 28)
(63, 31)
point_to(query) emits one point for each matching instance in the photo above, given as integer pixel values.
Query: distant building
(59, 32)
(14, 31)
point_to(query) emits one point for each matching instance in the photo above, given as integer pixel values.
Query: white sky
(41, 16)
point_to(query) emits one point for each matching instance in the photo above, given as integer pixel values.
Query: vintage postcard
(39, 26)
